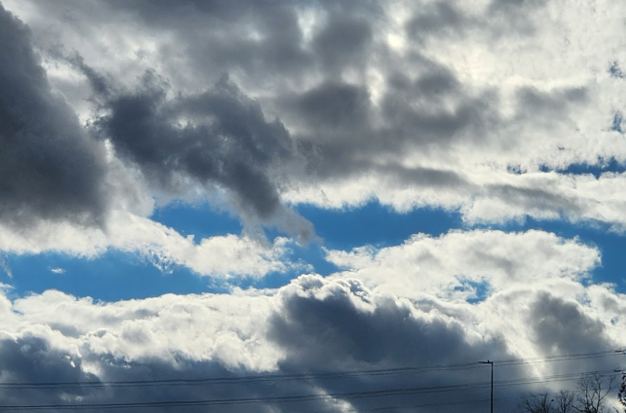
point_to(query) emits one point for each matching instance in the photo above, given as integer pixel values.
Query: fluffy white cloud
(539, 305)
(218, 256)
(534, 288)
(455, 264)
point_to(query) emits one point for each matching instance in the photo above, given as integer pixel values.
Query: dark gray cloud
(332, 107)
(516, 4)
(342, 42)
(551, 104)
(560, 327)
(326, 327)
(335, 123)
(262, 39)
(347, 135)
(516, 16)
(33, 360)
(217, 137)
(334, 331)
(49, 169)
(99, 84)
(531, 199)
(435, 178)
(310, 63)
(434, 109)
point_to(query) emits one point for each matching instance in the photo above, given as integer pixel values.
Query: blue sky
(120, 276)
(231, 193)
(102, 277)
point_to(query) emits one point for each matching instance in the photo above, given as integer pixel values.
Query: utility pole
(490, 362)
(622, 388)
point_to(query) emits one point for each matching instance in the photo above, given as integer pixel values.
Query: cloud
(55, 196)
(5, 267)
(219, 137)
(436, 18)
(561, 327)
(41, 178)
(538, 307)
(497, 260)
(313, 325)
(221, 257)
(277, 104)
(57, 270)
(50, 186)
(353, 102)
(344, 324)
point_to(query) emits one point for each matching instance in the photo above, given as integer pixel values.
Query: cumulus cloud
(336, 105)
(219, 137)
(50, 169)
(84, 190)
(484, 107)
(315, 325)
(67, 191)
(311, 326)
(494, 259)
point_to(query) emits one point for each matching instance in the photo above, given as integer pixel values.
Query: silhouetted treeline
(592, 395)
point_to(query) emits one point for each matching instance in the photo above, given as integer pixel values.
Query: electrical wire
(305, 397)
(302, 376)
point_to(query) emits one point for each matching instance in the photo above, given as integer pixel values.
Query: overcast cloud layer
(497, 110)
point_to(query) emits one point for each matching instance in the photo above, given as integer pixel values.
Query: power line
(302, 398)
(301, 376)
(414, 406)
(552, 359)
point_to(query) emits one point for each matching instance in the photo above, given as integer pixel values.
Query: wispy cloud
(4, 265)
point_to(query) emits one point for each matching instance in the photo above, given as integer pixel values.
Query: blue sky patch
(616, 71)
(113, 276)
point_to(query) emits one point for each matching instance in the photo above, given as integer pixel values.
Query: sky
(309, 205)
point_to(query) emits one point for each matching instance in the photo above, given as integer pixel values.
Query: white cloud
(488, 195)
(313, 324)
(5, 267)
(395, 306)
(219, 256)
(531, 289)
(452, 264)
